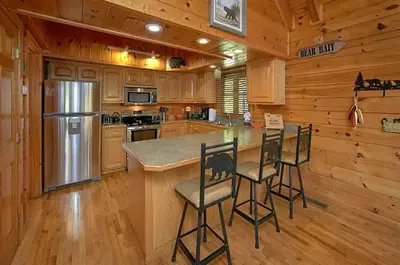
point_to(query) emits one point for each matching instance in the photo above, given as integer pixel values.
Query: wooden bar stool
(257, 173)
(206, 191)
(302, 155)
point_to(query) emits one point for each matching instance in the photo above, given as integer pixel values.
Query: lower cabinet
(173, 129)
(168, 131)
(113, 154)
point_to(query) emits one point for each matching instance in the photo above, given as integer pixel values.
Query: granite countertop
(163, 154)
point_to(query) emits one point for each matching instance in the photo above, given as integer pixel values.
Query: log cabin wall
(353, 169)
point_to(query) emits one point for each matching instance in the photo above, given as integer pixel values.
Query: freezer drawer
(71, 149)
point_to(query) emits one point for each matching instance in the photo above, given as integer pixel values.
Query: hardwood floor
(88, 225)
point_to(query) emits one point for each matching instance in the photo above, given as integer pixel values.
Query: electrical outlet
(24, 90)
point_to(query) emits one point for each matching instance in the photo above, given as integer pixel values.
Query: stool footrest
(251, 220)
(211, 256)
(296, 196)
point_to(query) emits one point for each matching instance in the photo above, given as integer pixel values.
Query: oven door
(142, 135)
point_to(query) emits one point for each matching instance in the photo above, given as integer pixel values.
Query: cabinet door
(189, 85)
(201, 89)
(88, 73)
(133, 77)
(163, 89)
(114, 156)
(175, 88)
(258, 82)
(112, 85)
(180, 129)
(62, 71)
(147, 78)
(168, 131)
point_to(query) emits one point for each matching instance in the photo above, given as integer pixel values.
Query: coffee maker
(204, 113)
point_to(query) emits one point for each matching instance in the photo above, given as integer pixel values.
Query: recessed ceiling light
(203, 41)
(238, 51)
(213, 66)
(153, 27)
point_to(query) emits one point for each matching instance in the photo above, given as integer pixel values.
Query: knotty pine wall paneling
(358, 169)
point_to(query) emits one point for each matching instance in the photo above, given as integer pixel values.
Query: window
(232, 92)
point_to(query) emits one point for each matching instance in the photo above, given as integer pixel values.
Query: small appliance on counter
(116, 117)
(204, 113)
(106, 119)
(212, 115)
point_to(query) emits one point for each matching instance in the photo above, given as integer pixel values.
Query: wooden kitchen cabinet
(206, 88)
(168, 131)
(175, 88)
(88, 73)
(112, 85)
(135, 77)
(188, 87)
(163, 88)
(266, 82)
(62, 71)
(113, 154)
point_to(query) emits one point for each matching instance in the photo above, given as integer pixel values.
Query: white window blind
(232, 91)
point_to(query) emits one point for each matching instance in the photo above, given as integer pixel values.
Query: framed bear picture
(229, 15)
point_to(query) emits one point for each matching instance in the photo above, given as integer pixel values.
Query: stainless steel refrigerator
(71, 133)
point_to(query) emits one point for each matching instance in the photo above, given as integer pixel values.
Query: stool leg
(205, 228)
(198, 243)
(301, 187)
(251, 198)
(280, 179)
(235, 202)
(266, 194)
(179, 232)
(221, 215)
(291, 192)
(255, 213)
(272, 204)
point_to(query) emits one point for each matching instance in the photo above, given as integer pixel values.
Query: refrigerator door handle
(75, 114)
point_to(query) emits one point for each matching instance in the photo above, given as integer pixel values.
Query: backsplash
(173, 108)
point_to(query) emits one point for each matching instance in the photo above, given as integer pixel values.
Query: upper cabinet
(163, 88)
(88, 73)
(137, 77)
(188, 87)
(112, 85)
(266, 82)
(206, 88)
(175, 88)
(62, 71)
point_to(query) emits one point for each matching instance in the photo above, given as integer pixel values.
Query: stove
(141, 125)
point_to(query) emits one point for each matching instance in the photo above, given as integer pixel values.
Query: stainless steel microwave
(135, 95)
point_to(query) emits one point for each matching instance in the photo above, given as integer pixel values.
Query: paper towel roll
(212, 115)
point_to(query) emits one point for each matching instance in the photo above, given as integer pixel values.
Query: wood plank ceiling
(100, 14)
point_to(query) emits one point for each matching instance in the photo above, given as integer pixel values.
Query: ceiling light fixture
(153, 27)
(203, 41)
(213, 66)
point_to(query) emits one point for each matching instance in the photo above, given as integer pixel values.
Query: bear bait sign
(322, 49)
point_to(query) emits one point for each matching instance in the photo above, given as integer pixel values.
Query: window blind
(232, 91)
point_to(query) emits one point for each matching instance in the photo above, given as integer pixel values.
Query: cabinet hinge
(19, 221)
(17, 53)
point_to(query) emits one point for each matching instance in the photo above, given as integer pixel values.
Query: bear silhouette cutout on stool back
(218, 165)
(221, 166)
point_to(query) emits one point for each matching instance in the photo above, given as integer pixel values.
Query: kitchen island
(156, 166)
